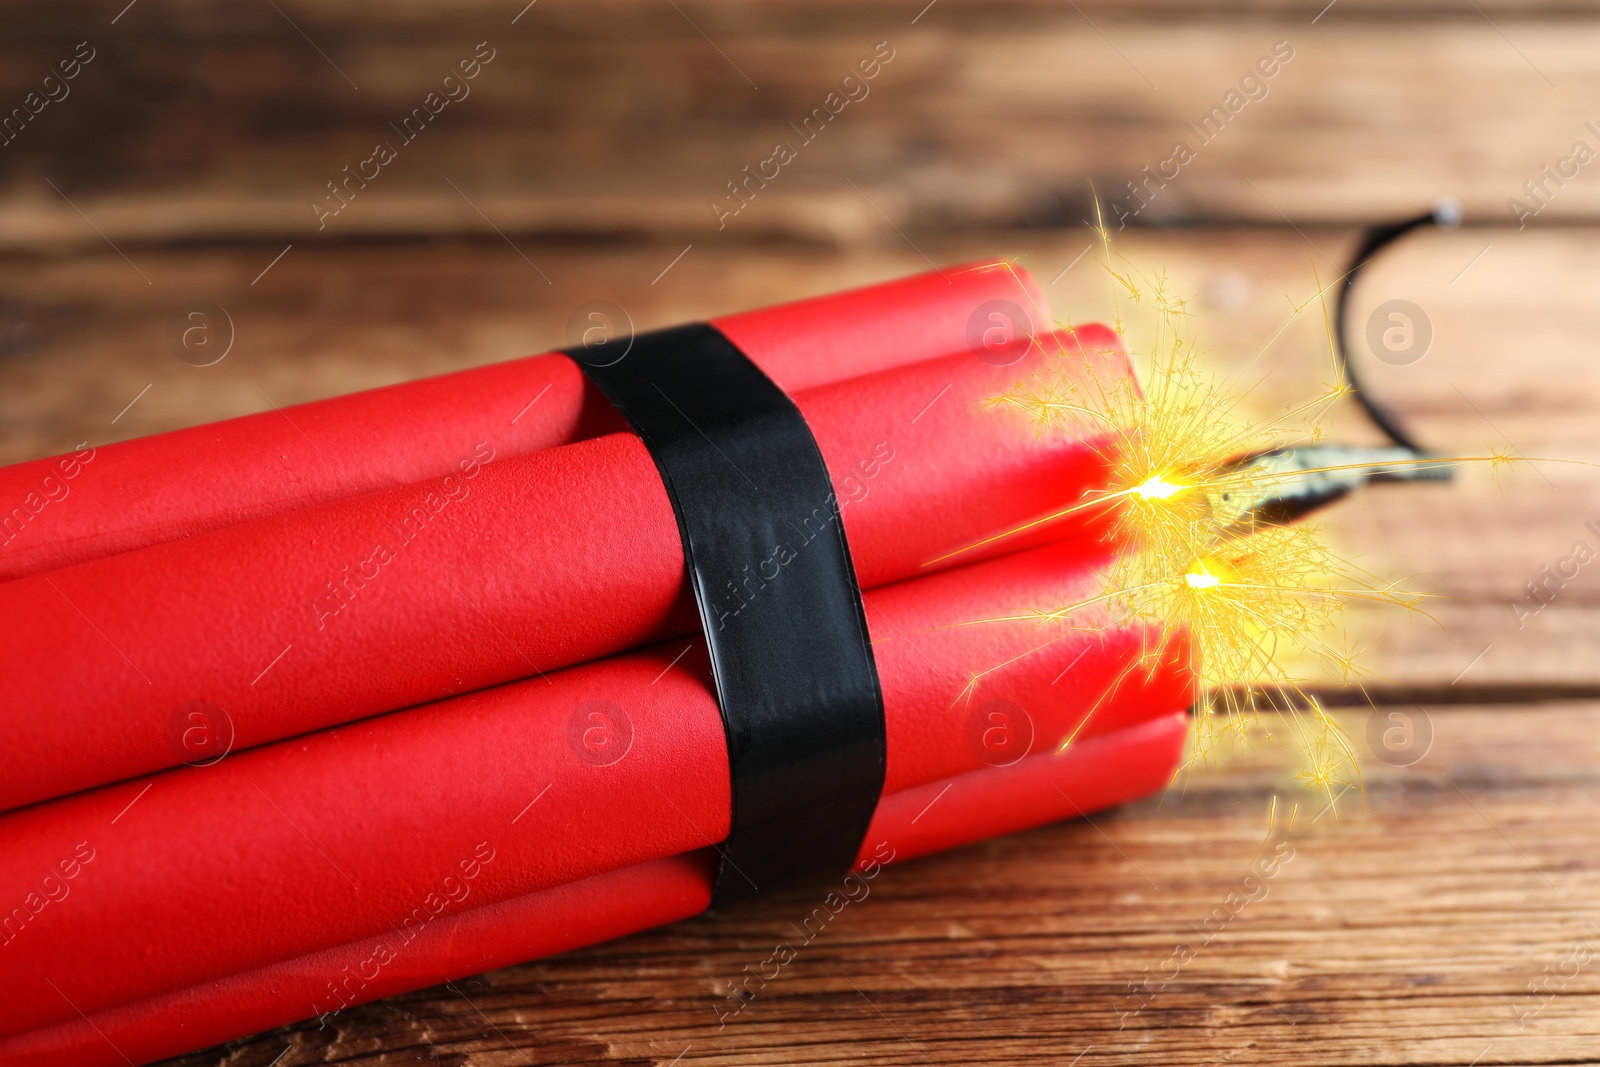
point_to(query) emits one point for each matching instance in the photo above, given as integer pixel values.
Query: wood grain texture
(621, 119)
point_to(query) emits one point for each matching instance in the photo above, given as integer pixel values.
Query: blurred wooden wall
(207, 122)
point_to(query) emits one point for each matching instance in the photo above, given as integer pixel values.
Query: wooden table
(1444, 914)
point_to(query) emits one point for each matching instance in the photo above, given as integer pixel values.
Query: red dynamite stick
(286, 850)
(1098, 772)
(81, 506)
(300, 621)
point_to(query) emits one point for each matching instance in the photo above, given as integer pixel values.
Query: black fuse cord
(1306, 478)
(1447, 215)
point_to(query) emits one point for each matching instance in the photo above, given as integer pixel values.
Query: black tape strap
(778, 598)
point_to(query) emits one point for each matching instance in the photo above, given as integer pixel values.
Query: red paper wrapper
(206, 880)
(291, 623)
(81, 506)
(1095, 773)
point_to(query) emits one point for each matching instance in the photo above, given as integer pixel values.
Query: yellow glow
(1203, 574)
(1157, 487)
(1258, 603)
(1248, 604)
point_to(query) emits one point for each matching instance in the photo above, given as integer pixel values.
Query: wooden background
(1409, 929)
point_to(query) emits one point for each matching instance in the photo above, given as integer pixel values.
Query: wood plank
(621, 119)
(90, 336)
(1406, 934)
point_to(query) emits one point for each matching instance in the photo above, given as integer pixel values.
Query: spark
(1246, 604)
(1246, 607)
(1156, 487)
(1201, 575)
